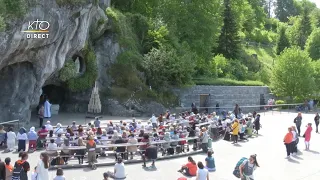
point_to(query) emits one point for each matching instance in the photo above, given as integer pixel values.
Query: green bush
(88, 79)
(68, 71)
(226, 82)
(279, 102)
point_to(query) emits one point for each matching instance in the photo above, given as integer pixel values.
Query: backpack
(236, 171)
(18, 171)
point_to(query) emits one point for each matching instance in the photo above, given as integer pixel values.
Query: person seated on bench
(150, 154)
(189, 169)
(119, 170)
(141, 134)
(74, 126)
(175, 136)
(80, 152)
(52, 148)
(80, 130)
(58, 129)
(121, 149)
(65, 152)
(132, 149)
(114, 137)
(166, 146)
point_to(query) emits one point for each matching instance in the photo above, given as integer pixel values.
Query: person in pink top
(307, 136)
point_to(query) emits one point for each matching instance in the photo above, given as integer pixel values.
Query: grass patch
(265, 54)
(226, 82)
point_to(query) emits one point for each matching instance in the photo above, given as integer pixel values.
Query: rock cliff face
(27, 64)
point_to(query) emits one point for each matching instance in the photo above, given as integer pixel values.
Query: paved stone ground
(268, 146)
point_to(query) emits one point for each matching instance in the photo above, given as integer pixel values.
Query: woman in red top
(307, 136)
(190, 168)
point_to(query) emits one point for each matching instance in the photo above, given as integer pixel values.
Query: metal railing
(250, 108)
(11, 122)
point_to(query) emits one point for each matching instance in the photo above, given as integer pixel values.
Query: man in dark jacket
(151, 154)
(2, 170)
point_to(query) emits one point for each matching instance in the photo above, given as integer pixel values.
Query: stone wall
(226, 96)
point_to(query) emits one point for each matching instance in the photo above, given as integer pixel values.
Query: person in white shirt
(11, 140)
(203, 173)
(43, 167)
(49, 126)
(59, 175)
(59, 129)
(154, 120)
(34, 174)
(119, 170)
(52, 148)
(22, 139)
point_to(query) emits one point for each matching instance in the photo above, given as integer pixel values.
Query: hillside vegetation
(172, 43)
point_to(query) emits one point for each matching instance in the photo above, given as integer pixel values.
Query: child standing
(307, 136)
(34, 174)
(59, 175)
(9, 168)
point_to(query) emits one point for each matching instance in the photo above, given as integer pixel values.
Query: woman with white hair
(58, 129)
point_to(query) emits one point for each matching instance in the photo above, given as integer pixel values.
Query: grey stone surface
(26, 64)
(227, 96)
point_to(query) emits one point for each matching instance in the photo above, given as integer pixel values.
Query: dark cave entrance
(55, 94)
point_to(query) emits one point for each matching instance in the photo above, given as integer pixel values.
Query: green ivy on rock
(88, 79)
(68, 71)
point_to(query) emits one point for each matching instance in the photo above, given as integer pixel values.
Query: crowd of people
(291, 139)
(171, 130)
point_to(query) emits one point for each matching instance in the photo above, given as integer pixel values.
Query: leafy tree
(285, 9)
(313, 44)
(315, 18)
(193, 22)
(304, 27)
(283, 41)
(229, 40)
(292, 74)
(316, 66)
(165, 67)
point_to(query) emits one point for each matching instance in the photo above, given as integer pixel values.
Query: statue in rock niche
(77, 63)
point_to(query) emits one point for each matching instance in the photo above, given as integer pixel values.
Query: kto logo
(38, 29)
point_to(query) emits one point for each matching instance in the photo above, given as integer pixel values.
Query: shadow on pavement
(293, 161)
(150, 168)
(314, 152)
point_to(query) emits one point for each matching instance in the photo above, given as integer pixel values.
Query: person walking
(235, 131)
(248, 167)
(316, 121)
(298, 121)
(287, 141)
(307, 136)
(43, 167)
(21, 168)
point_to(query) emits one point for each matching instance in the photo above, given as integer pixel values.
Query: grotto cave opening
(55, 94)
